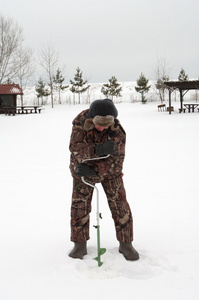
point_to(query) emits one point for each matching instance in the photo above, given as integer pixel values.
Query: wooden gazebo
(183, 87)
(8, 95)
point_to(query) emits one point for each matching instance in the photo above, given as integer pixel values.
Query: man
(97, 132)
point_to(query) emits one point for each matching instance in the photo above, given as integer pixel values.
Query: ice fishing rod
(100, 251)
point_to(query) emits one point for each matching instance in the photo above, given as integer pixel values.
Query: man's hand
(106, 148)
(85, 170)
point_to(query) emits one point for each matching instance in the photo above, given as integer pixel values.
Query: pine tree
(161, 87)
(113, 88)
(41, 89)
(182, 76)
(142, 87)
(79, 86)
(58, 80)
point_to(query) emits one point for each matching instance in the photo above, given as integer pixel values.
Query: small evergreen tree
(41, 90)
(142, 87)
(182, 76)
(161, 87)
(58, 80)
(79, 86)
(113, 88)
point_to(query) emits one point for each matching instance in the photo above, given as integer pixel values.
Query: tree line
(17, 66)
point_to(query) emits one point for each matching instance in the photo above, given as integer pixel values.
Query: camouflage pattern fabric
(82, 146)
(81, 208)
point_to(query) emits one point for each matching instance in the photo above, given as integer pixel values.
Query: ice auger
(100, 251)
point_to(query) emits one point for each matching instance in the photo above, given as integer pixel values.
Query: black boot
(128, 251)
(79, 250)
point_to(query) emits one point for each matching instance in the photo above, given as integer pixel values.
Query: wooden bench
(28, 110)
(180, 110)
(19, 111)
(8, 110)
(161, 107)
(2, 110)
(12, 111)
(172, 108)
(40, 109)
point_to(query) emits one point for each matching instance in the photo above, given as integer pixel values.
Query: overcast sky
(112, 37)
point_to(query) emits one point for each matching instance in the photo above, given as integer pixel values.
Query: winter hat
(101, 113)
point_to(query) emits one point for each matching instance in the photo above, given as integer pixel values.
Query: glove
(85, 170)
(106, 148)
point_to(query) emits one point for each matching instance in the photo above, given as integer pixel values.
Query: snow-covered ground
(161, 179)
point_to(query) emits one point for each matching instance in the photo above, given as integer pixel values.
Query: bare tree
(11, 38)
(161, 76)
(48, 59)
(26, 68)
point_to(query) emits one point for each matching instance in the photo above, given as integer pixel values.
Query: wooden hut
(8, 95)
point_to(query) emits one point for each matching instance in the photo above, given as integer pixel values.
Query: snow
(161, 181)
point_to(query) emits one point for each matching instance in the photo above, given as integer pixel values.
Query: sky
(105, 38)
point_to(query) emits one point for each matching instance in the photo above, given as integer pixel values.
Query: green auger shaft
(100, 251)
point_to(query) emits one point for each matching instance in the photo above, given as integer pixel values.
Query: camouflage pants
(81, 208)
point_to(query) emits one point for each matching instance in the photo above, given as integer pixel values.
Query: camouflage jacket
(82, 146)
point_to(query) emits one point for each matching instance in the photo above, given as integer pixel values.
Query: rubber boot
(128, 251)
(79, 250)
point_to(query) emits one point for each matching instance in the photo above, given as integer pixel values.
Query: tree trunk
(79, 97)
(21, 100)
(51, 94)
(59, 97)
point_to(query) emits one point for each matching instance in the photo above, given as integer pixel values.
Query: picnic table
(12, 110)
(29, 109)
(191, 106)
(8, 110)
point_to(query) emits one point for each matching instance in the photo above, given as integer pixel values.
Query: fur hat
(101, 113)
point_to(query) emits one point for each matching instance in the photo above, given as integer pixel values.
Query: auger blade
(101, 252)
(98, 260)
